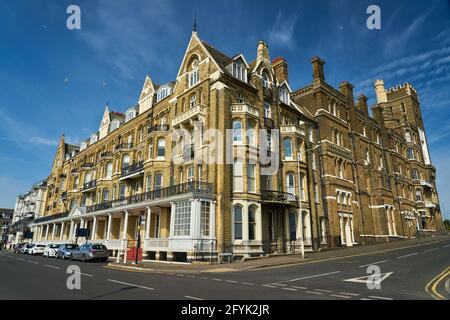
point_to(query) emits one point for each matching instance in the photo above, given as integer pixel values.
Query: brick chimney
(262, 52)
(281, 69)
(362, 104)
(317, 65)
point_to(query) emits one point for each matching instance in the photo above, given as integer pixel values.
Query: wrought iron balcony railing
(89, 185)
(158, 128)
(278, 196)
(136, 167)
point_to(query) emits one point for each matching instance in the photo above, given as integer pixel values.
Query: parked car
(50, 250)
(18, 246)
(90, 252)
(65, 250)
(37, 249)
(26, 248)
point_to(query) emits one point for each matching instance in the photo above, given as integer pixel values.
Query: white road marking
(297, 287)
(314, 292)
(85, 274)
(231, 281)
(215, 279)
(20, 259)
(446, 246)
(366, 299)
(289, 289)
(322, 290)
(340, 296)
(204, 278)
(382, 298)
(47, 265)
(369, 264)
(309, 277)
(429, 250)
(365, 279)
(408, 255)
(191, 276)
(193, 298)
(180, 275)
(31, 261)
(279, 284)
(248, 283)
(269, 286)
(350, 294)
(130, 284)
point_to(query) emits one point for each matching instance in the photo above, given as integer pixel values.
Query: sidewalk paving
(274, 261)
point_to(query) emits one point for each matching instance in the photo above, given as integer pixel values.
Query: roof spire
(195, 24)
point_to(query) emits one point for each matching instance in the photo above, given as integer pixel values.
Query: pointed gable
(146, 97)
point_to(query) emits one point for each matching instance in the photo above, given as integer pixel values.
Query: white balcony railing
(244, 108)
(292, 129)
(192, 113)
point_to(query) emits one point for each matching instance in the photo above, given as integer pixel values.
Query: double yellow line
(432, 285)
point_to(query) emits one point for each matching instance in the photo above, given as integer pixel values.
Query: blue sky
(121, 41)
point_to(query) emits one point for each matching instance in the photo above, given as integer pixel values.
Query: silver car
(90, 252)
(65, 250)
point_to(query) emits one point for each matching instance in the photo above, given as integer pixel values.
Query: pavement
(399, 271)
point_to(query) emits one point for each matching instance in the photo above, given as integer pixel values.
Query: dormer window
(130, 115)
(162, 93)
(239, 71)
(114, 125)
(284, 95)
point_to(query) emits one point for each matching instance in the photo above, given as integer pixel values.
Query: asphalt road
(409, 273)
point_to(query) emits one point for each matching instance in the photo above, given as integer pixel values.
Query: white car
(36, 249)
(50, 250)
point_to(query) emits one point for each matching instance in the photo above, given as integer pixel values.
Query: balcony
(52, 217)
(272, 196)
(124, 146)
(194, 113)
(87, 165)
(196, 188)
(106, 155)
(88, 186)
(292, 129)
(132, 170)
(158, 128)
(244, 108)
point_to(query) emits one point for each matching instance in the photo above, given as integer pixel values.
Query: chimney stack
(280, 67)
(262, 52)
(346, 88)
(380, 91)
(317, 65)
(362, 104)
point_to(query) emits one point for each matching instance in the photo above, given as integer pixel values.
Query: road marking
(130, 284)
(322, 290)
(302, 288)
(349, 294)
(204, 278)
(191, 276)
(314, 292)
(364, 279)
(215, 279)
(31, 261)
(85, 274)
(446, 246)
(47, 265)
(193, 298)
(231, 281)
(309, 277)
(289, 289)
(434, 282)
(248, 283)
(382, 298)
(279, 284)
(19, 259)
(366, 299)
(408, 255)
(180, 275)
(339, 296)
(269, 286)
(429, 250)
(369, 264)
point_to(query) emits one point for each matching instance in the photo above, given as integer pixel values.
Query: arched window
(237, 175)
(161, 147)
(180, 175)
(237, 131)
(265, 80)
(194, 74)
(193, 101)
(125, 161)
(287, 142)
(109, 169)
(418, 195)
(159, 181)
(251, 134)
(237, 215)
(148, 183)
(150, 150)
(251, 222)
(290, 183)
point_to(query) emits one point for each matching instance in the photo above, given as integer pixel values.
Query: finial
(195, 24)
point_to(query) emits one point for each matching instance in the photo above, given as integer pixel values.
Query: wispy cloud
(282, 32)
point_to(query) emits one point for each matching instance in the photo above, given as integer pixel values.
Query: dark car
(65, 250)
(90, 252)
